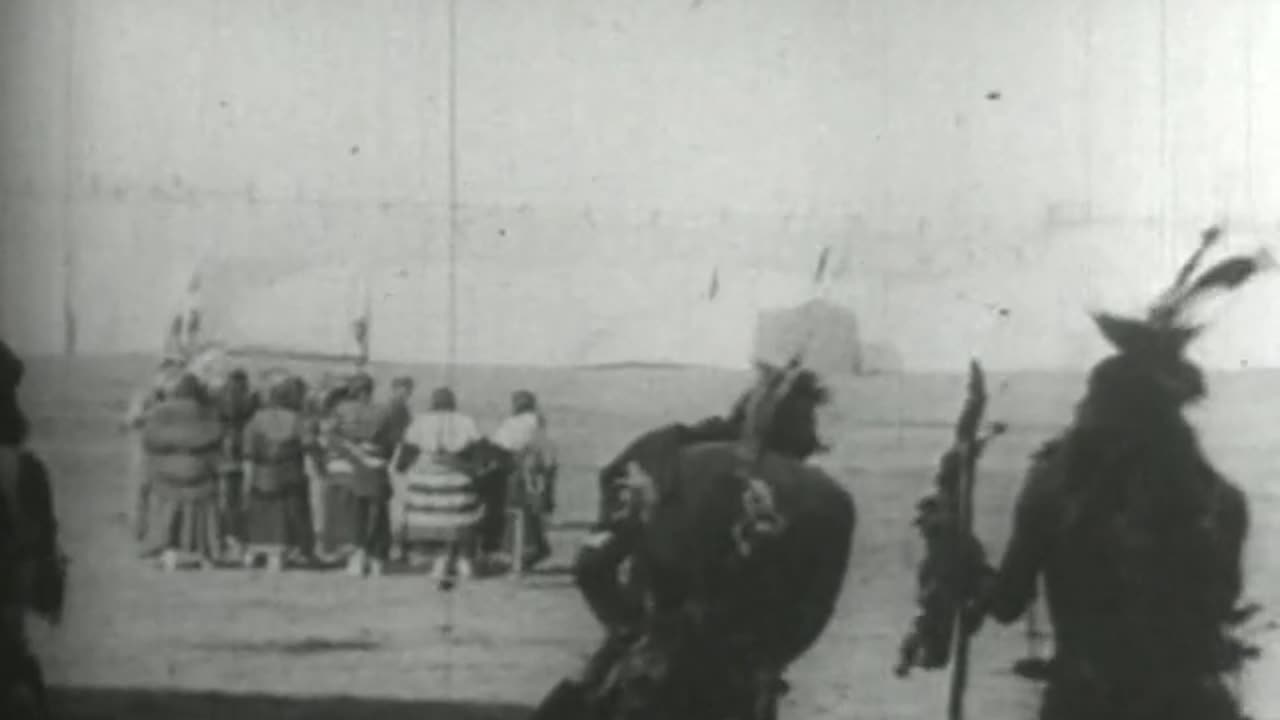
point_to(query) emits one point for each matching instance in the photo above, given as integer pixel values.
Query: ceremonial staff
(950, 572)
(966, 448)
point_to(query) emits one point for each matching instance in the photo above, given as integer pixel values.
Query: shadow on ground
(131, 704)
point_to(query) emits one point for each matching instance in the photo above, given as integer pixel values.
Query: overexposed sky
(626, 133)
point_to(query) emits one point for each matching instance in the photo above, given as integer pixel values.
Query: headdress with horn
(766, 424)
(1150, 368)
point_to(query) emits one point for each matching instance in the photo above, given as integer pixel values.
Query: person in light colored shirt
(440, 505)
(442, 432)
(520, 431)
(531, 487)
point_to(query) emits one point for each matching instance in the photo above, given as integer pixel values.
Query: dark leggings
(363, 521)
(492, 490)
(231, 503)
(596, 571)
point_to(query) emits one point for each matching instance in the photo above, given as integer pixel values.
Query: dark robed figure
(1137, 536)
(737, 552)
(32, 568)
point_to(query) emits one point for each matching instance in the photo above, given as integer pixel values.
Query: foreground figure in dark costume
(1137, 536)
(737, 550)
(32, 568)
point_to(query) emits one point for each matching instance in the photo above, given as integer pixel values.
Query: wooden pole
(1167, 184)
(968, 445)
(960, 653)
(69, 249)
(452, 88)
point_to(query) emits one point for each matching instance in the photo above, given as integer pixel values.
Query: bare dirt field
(238, 644)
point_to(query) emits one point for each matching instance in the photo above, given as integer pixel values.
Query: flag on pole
(361, 326)
(184, 325)
(191, 310)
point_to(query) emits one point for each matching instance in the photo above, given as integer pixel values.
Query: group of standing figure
(290, 475)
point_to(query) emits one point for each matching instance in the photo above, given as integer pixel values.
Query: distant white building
(751, 315)
(587, 315)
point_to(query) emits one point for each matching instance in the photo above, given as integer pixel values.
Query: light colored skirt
(438, 506)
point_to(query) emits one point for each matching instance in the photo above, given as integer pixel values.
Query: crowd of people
(287, 474)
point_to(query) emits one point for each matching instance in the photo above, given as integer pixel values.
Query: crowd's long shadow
(154, 704)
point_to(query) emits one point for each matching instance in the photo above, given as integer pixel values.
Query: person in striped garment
(441, 505)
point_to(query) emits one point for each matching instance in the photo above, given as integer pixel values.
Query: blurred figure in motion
(655, 451)
(237, 403)
(32, 567)
(357, 450)
(441, 506)
(736, 550)
(530, 488)
(183, 437)
(276, 441)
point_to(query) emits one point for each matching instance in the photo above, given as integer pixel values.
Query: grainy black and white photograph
(639, 359)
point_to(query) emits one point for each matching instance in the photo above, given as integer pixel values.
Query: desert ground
(137, 643)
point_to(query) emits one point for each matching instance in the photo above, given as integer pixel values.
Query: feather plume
(1150, 349)
(1208, 239)
(1225, 276)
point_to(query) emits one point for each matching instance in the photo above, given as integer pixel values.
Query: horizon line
(650, 366)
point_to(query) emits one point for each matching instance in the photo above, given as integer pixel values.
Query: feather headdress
(1153, 347)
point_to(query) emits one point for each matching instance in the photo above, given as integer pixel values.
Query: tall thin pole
(1086, 124)
(1246, 45)
(69, 269)
(1166, 182)
(453, 280)
(452, 90)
